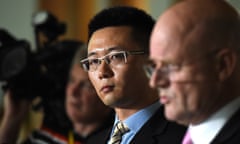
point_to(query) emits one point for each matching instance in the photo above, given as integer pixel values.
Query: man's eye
(93, 61)
(173, 67)
(117, 56)
(151, 64)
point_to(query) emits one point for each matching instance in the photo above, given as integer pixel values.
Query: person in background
(117, 50)
(84, 108)
(14, 113)
(195, 54)
(88, 115)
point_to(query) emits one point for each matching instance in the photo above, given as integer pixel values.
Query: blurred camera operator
(89, 116)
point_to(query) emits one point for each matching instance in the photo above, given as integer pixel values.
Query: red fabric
(57, 135)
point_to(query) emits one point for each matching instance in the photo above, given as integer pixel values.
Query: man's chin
(175, 117)
(109, 100)
(170, 113)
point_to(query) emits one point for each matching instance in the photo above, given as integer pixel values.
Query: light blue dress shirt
(136, 121)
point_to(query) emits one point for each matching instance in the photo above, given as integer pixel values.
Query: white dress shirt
(206, 131)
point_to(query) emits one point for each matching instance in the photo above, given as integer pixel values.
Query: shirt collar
(138, 119)
(205, 132)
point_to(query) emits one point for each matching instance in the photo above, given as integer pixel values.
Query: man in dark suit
(118, 48)
(195, 53)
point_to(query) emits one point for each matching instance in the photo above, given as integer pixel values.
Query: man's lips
(107, 88)
(164, 99)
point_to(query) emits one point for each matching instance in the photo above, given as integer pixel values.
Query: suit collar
(229, 130)
(154, 127)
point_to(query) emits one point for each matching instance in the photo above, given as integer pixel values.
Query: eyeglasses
(166, 69)
(113, 59)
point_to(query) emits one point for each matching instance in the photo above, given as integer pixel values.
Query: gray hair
(80, 54)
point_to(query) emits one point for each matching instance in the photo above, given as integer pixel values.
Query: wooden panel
(85, 11)
(142, 4)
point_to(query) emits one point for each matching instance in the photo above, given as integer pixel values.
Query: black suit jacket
(157, 130)
(230, 133)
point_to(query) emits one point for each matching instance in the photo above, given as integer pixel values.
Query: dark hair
(141, 23)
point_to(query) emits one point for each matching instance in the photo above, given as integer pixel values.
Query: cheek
(69, 109)
(189, 86)
(92, 102)
(68, 90)
(120, 79)
(183, 103)
(189, 96)
(88, 94)
(129, 76)
(94, 80)
(180, 94)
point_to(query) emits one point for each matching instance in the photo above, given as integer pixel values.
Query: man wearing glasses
(196, 67)
(117, 50)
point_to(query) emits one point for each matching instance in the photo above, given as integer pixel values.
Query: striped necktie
(119, 130)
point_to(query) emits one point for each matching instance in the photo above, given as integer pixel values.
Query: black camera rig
(42, 72)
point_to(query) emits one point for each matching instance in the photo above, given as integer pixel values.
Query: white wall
(15, 16)
(158, 6)
(235, 3)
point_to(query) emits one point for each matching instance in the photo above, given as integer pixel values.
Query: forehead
(111, 38)
(176, 38)
(165, 41)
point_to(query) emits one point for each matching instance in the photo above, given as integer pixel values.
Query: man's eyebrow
(107, 49)
(91, 53)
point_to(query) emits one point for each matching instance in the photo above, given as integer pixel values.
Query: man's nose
(158, 80)
(104, 70)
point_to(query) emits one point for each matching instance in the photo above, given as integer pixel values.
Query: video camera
(42, 73)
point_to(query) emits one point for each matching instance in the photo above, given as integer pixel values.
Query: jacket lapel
(230, 129)
(150, 131)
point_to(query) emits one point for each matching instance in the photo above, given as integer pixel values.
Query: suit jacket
(230, 133)
(157, 130)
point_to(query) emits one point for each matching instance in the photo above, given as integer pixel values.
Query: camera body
(30, 74)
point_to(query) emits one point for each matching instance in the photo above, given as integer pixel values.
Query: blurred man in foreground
(195, 53)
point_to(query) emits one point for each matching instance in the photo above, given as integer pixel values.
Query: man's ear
(226, 62)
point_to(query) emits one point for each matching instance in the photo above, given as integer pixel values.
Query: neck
(124, 113)
(147, 98)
